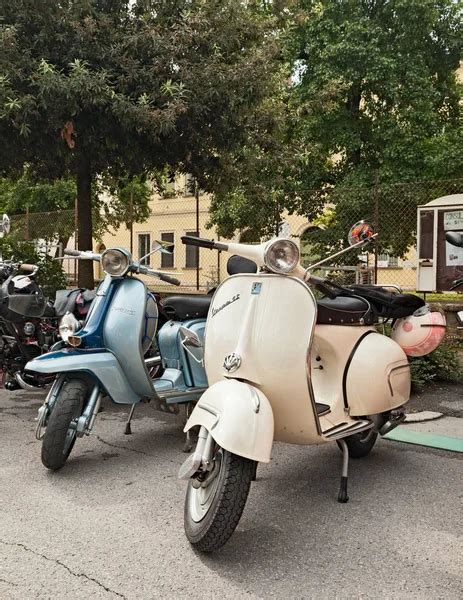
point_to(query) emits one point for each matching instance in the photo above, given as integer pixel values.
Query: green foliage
(129, 86)
(127, 201)
(37, 196)
(50, 276)
(373, 97)
(440, 365)
(96, 88)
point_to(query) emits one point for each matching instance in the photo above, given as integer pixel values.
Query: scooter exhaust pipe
(23, 384)
(384, 423)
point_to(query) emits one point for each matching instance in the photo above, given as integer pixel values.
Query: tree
(98, 87)
(374, 97)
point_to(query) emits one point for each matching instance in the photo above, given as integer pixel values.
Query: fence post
(197, 233)
(76, 240)
(376, 209)
(131, 223)
(26, 231)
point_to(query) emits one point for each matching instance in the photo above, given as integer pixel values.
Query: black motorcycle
(29, 323)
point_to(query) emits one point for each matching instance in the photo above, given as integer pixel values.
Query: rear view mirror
(192, 344)
(164, 247)
(360, 232)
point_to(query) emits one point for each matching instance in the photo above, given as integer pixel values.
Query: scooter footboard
(103, 365)
(238, 416)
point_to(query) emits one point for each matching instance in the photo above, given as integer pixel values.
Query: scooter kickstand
(128, 428)
(342, 496)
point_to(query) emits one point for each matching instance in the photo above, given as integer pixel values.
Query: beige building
(175, 214)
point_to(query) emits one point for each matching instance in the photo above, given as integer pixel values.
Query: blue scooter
(106, 354)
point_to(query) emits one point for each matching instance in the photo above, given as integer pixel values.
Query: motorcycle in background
(283, 366)
(29, 322)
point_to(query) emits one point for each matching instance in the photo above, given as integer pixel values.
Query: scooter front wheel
(60, 433)
(214, 503)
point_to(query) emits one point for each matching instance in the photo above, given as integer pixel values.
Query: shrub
(440, 365)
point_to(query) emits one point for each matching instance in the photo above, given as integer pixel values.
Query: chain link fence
(392, 210)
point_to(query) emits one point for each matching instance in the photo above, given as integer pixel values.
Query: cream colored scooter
(277, 372)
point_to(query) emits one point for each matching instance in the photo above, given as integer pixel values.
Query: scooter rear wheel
(213, 507)
(360, 444)
(60, 437)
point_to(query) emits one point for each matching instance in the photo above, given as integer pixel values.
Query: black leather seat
(345, 310)
(179, 308)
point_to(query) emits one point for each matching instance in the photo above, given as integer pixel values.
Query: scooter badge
(232, 362)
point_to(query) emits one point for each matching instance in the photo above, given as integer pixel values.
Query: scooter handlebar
(191, 240)
(69, 252)
(28, 267)
(169, 279)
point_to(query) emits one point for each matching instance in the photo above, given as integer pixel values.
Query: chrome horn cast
(232, 362)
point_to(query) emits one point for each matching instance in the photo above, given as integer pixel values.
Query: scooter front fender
(239, 418)
(103, 365)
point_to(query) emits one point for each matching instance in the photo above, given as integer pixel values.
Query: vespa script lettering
(214, 311)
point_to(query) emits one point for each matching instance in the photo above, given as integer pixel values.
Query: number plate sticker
(256, 287)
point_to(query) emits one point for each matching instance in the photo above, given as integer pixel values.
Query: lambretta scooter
(103, 356)
(282, 366)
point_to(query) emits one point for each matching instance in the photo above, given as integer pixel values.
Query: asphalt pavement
(110, 523)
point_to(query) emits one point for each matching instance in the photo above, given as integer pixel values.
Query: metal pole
(376, 201)
(76, 238)
(219, 253)
(197, 233)
(26, 233)
(131, 223)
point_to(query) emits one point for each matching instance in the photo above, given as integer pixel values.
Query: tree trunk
(84, 217)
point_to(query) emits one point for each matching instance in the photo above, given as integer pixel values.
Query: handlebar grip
(191, 240)
(69, 252)
(28, 267)
(169, 279)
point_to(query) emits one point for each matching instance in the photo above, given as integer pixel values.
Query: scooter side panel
(267, 321)
(175, 357)
(378, 377)
(101, 364)
(123, 333)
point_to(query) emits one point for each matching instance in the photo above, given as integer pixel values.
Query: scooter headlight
(68, 326)
(116, 261)
(281, 256)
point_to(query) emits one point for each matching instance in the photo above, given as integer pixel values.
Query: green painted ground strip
(422, 438)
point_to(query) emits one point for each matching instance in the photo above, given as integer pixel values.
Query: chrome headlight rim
(290, 266)
(68, 326)
(121, 252)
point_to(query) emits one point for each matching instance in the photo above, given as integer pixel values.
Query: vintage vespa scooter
(282, 366)
(105, 355)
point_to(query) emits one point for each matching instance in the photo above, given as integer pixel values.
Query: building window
(167, 260)
(144, 246)
(191, 254)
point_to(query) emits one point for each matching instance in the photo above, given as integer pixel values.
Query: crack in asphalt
(8, 582)
(122, 447)
(61, 564)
